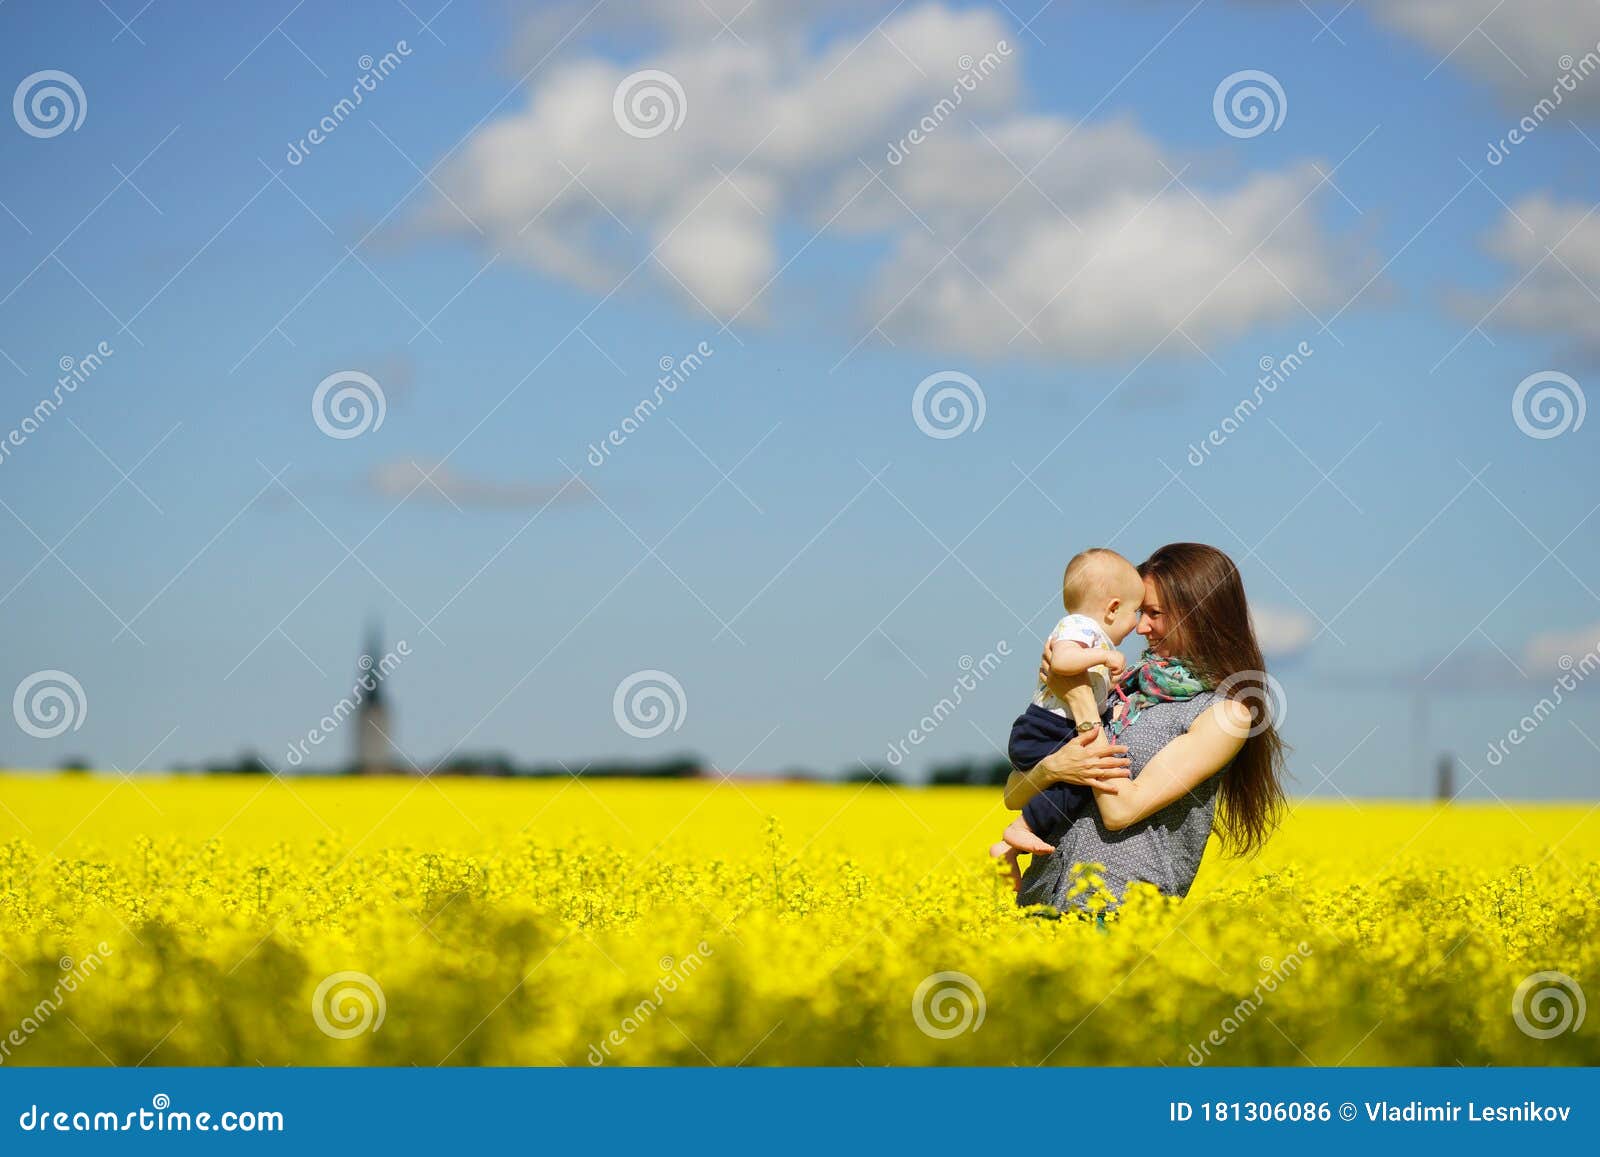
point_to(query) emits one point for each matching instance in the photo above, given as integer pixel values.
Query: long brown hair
(1203, 596)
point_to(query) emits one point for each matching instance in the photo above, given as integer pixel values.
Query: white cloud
(720, 251)
(1557, 651)
(1553, 250)
(555, 22)
(1098, 254)
(1282, 633)
(439, 482)
(1518, 48)
(1117, 270)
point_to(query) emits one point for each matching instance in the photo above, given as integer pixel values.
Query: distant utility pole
(1445, 785)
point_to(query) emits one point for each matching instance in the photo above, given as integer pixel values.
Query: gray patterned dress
(1163, 849)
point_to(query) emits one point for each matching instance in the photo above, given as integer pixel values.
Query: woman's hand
(1088, 761)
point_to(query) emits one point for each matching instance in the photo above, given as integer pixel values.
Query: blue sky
(483, 238)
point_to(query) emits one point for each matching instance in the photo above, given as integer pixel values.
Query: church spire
(369, 660)
(374, 749)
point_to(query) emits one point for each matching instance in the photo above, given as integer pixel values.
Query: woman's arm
(1022, 786)
(1179, 767)
(1088, 761)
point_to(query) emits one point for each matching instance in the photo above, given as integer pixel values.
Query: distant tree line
(976, 773)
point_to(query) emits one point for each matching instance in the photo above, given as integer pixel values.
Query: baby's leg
(1018, 838)
(1007, 855)
(1019, 835)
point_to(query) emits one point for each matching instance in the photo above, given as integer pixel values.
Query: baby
(1102, 592)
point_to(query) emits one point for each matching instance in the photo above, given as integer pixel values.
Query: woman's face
(1154, 623)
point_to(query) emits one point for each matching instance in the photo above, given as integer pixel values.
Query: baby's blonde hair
(1089, 573)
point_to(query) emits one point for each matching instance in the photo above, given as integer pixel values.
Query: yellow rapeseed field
(245, 920)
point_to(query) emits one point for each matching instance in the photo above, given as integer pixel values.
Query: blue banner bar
(762, 1111)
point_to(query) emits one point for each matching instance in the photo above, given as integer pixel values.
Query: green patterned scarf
(1152, 680)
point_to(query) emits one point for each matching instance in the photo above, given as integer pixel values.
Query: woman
(1208, 754)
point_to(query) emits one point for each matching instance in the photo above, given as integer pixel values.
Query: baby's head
(1105, 587)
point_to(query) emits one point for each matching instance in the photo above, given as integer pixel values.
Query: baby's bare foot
(1019, 836)
(1007, 855)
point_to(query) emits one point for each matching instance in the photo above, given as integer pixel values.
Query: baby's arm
(1070, 664)
(1069, 658)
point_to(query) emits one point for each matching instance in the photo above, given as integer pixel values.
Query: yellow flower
(244, 921)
